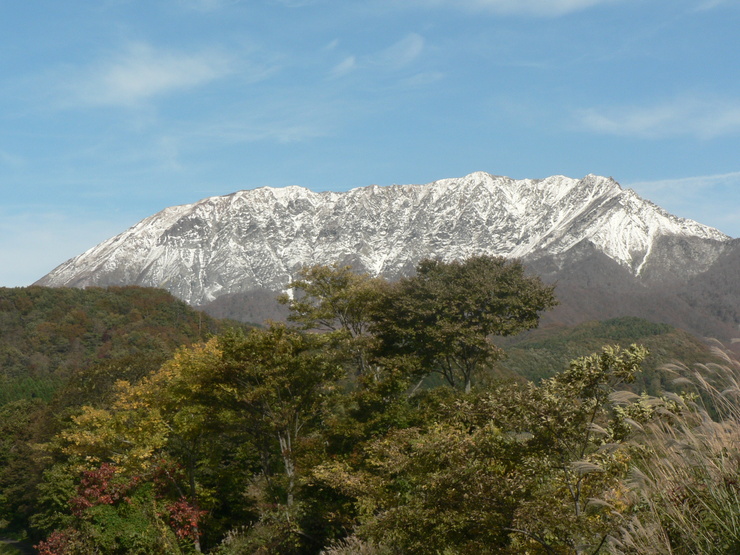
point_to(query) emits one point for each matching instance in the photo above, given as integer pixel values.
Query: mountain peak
(260, 238)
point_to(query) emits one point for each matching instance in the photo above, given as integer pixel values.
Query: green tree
(113, 512)
(447, 313)
(23, 424)
(337, 300)
(582, 430)
(175, 414)
(519, 468)
(282, 381)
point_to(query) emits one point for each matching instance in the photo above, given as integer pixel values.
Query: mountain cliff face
(258, 239)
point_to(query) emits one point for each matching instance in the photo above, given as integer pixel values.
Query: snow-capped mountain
(260, 238)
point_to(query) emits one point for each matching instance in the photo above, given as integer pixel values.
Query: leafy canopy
(447, 313)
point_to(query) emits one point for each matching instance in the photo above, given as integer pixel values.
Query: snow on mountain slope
(260, 238)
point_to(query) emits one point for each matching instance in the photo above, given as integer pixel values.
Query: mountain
(256, 240)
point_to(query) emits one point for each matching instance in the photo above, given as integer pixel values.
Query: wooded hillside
(47, 334)
(410, 417)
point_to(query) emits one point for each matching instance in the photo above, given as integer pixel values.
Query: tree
(447, 313)
(23, 425)
(282, 380)
(174, 414)
(444, 489)
(113, 512)
(282, 383)
(519, 468)
(336, 299)
(581, 428)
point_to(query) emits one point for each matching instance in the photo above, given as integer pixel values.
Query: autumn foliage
(372, 423)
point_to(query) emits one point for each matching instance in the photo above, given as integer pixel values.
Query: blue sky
(115, 109)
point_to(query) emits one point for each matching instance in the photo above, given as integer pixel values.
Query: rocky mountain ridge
(258, 239)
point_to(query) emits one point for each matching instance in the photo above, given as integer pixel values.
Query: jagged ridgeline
(611, 252)
(48, 334)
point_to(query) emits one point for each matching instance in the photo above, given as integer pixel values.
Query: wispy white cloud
(10, 159)
(142, 72)
(167, 151)
(710, 199)
(254, 128)
(345, 66)
(397, 56)
(287, 118)
(711, 4)
(424, 78)
(208, 5)
(400, 54)
(694, 183)
(702, 118)
(541, 8)
(296, 3)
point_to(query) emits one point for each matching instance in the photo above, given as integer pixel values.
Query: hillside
(543, 352)
(111, 433)
(592, 287)
(46, 334)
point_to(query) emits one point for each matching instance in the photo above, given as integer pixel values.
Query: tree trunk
(194, 501)
(286, 450)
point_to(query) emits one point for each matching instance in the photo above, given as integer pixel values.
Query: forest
(426, 415)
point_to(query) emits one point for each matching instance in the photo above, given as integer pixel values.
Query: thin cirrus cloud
(704, 119)
(708, 198)
(711, 4)
(701, 182)
(10, 160)
(402, 53)
(283, 119)
(208, 5)
(142, 72)
(345, 66)
(394, 57)
(52, 237)
(541, 8)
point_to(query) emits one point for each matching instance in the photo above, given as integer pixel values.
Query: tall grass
(686, 484)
